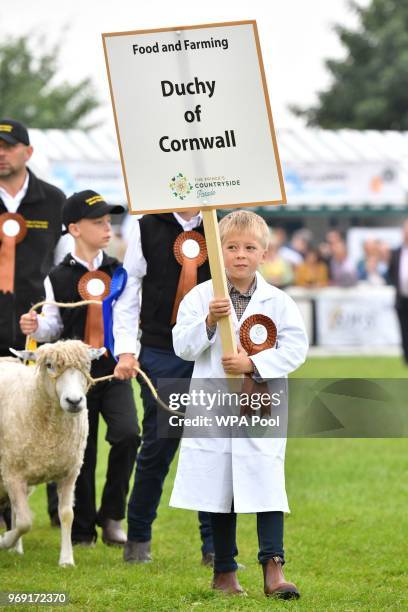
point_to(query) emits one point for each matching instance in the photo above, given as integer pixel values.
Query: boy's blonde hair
(245, 221)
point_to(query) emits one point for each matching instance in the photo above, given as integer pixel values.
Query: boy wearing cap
(87, 218)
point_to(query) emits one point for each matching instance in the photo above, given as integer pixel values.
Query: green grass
(345, 539)
(353, 367)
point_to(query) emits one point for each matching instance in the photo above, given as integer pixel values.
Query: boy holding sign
(223, 476)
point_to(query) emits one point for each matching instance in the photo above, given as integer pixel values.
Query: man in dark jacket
(33, 208)
(398, 276)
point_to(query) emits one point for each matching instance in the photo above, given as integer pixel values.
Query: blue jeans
(156, 454)
(270, 538)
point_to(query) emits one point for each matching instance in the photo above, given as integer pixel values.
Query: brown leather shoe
(137, 552)
(274, 581)
(227, 582)
(112, 533)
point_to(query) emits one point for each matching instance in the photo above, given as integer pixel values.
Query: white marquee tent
(323, 169)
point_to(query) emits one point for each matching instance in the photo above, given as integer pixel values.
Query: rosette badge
(190, 250)
(13, 229)
(94, 285)
(258, 333)
(180, 186)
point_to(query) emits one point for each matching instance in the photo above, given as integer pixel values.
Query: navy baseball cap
(13, 132)
(87, 205)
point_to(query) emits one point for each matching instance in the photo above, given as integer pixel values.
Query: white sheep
(43, 432)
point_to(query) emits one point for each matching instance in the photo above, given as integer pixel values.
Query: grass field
(346, 539)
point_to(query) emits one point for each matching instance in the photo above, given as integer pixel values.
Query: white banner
(351, 317)
(374, 183)
(193, 117)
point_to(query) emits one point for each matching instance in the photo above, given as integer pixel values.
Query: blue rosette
(118, 283)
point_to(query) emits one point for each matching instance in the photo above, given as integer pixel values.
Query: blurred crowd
(302, 262)
(299, 260)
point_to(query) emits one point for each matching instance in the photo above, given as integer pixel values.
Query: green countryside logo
(180, 186)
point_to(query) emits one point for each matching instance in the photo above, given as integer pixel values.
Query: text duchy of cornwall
(195, 87)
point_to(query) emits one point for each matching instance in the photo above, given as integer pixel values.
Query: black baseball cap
(87, 205)
(13, 132)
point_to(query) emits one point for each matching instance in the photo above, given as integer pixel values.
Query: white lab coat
(214, 471)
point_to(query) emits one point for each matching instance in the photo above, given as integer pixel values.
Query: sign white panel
(357, 318)
(193, 118)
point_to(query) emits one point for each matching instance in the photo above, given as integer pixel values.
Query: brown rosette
(258, 333)
(190, 251)
(94, 285)
(13, 229)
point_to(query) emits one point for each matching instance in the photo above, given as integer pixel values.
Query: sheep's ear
(24, 355)
(95, 353)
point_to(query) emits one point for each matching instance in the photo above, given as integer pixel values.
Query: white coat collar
(263, 292)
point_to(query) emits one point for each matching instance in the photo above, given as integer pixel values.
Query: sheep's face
(64, 368)
(70, 387)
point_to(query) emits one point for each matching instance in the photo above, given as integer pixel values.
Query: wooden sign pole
(215, 258)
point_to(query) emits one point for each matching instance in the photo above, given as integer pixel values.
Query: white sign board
(357, 318)
(193, 118)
